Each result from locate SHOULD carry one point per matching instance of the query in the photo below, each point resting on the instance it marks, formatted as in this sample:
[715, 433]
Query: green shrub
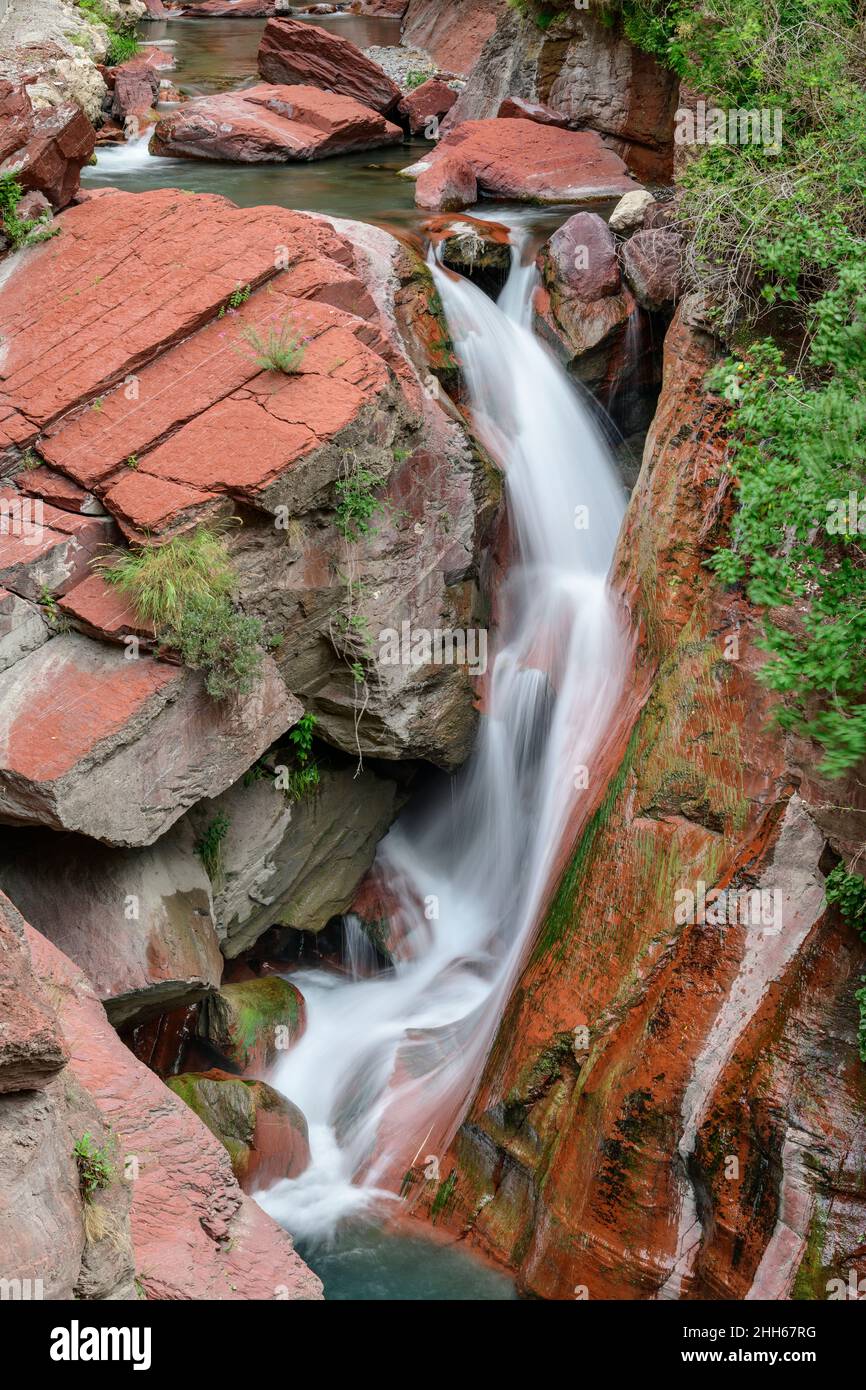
[213, 637]
[777, 243]
[357, 504]
[21, 231]
[121, 47]
[95, 1168]
[304, 778]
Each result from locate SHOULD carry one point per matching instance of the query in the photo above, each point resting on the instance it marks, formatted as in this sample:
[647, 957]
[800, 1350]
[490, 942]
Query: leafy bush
[777, 243]
[301, 780]
[213, 637]
[21, 231]
[95, 1168]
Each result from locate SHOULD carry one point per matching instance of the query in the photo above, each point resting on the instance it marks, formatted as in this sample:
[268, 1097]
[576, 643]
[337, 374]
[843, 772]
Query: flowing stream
[387, 1065]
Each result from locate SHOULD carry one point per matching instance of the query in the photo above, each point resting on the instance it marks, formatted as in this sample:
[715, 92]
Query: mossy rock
[252, 1023]
[264, 1134]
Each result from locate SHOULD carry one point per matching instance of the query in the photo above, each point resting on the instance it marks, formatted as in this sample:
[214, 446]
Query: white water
[387, 1066]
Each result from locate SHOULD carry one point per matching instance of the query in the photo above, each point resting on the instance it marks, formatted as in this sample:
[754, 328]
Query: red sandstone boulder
[523, 160]
[515, 108]
[432, 100]
[652, 264]
[119, 749]
[136, 90]
[46, 150]
[447, 187]
[196, 1235]
[137, 922]
[272, 124]
[16, 118]
[230, 9]
[31, 1045]
[583, 256]
[299, 54]
[265, 1134]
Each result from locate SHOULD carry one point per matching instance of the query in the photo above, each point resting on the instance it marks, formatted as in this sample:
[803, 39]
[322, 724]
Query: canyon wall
[674, 1107]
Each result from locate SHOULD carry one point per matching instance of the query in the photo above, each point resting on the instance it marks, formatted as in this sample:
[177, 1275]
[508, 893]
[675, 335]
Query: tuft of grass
[184, 589]
[278, 350]
[209, 848]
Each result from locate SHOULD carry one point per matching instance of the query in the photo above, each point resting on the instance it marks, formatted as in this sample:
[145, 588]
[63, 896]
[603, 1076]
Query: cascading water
[386, 1067]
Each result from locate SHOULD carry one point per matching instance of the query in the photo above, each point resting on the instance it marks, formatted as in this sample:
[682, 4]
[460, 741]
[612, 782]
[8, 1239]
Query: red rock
[196, 1235]
[454, 33]
[265, 1134]
[652, 264]
[44, 549]
[515, 108]
[31, 1045]
[80, 895]
[583, 256]
[521, 159]
[432, 99]
[135, 91]
[55, 148]
[272, 123]
[53, 487]
[16, 117]
[299, 54]
[230, 9]
[103, 611]
[447, 187]
[118, 749]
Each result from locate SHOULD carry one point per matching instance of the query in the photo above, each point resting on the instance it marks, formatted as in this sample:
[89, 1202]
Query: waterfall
[387, 1066]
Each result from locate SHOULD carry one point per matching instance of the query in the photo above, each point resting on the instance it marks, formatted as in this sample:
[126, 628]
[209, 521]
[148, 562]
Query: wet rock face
[303, 54]
[523, 160]
[137, 922]
[251, 1023]
[584, 71]
[272, 124]
[454, 33]
[297, 864]
[195, 1234]
[664, 1065]
[46, 149]
[44, 1240]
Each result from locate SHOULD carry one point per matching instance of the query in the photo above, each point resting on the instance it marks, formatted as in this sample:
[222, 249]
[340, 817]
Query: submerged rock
[303, 54]
[269, 124]
[265, 1135]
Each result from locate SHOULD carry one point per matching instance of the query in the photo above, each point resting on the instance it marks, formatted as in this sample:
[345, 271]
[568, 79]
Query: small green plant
[132, 461]
[415, 78]
[209, 848]
[278, 350]
[357, 504]
[444, 1195]
[20, 231]
[235, 300]
[184, 590]
[95, 1168]
[121, 47]
[304, 778]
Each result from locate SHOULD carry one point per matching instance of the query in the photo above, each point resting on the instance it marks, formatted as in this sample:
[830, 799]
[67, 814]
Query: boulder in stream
[272, 124]
[300, 54]
[265, 1135]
